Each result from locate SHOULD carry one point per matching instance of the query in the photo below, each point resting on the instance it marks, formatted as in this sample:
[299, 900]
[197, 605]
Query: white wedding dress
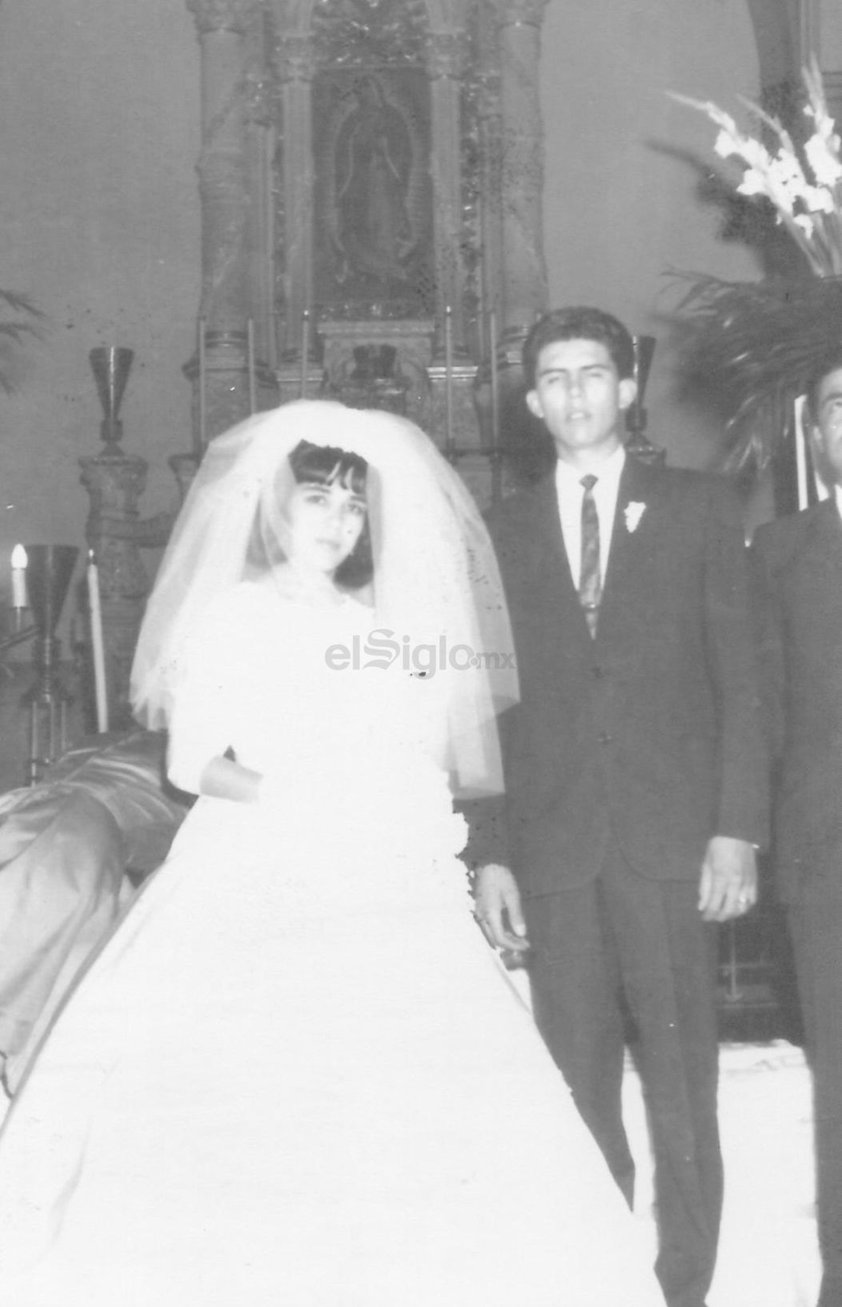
[297, 1076]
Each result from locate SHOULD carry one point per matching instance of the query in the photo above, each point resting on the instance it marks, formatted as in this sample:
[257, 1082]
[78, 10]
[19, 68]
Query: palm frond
[26, 324]
[20, 304]
[750, 346]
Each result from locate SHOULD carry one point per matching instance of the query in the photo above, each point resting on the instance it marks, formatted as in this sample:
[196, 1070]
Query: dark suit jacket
[652, 730]
[798, 575]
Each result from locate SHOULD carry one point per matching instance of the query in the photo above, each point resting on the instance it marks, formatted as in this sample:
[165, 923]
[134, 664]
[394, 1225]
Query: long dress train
[297, 1074]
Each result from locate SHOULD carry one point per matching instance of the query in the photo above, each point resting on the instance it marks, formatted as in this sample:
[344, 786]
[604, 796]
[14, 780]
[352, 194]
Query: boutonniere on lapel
[633, 512]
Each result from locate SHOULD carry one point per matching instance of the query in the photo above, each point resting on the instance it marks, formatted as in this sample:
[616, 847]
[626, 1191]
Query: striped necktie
[590, 581]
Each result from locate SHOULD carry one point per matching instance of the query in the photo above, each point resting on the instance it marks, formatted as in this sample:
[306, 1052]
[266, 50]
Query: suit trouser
[816, 930]
[624, 937]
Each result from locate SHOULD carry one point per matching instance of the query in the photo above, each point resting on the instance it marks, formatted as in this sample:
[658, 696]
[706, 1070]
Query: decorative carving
[295, 59]
[224, 199]
[406, 178]
[374, 380]
[446, 54]
[480, 151]
[412, 342]
[223, 15]
[258, 95]
[522, 167]
[517, 13]
[370, 32]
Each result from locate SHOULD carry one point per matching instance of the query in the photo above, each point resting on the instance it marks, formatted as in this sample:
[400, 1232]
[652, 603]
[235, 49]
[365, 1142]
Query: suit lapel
[552, 555]
[549, 566]
[820, 553]
[630, 539]
[827, 528]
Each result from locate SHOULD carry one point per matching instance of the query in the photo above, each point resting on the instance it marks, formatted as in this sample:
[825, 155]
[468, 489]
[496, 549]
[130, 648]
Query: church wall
[99, 226]
[620, 209]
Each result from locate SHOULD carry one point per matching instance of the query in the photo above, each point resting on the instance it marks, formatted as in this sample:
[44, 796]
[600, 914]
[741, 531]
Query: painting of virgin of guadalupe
[374, 218]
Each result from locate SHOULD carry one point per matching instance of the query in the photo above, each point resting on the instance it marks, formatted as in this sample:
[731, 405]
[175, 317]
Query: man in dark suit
[798, 570]
[634, 772]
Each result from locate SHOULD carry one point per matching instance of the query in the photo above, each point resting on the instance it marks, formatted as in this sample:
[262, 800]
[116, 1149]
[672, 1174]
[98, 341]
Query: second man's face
[826, 429]
[580, 398]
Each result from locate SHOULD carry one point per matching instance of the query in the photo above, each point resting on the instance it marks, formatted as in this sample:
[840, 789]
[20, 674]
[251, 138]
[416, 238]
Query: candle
[448, 378]
[202, 396]
[495, 381]
[97, 648]
[20, 599]
[305, 348]
[803, 497]
[252, 378]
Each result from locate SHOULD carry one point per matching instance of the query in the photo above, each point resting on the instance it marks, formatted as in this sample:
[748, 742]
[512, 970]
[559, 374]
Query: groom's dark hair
[580, 323]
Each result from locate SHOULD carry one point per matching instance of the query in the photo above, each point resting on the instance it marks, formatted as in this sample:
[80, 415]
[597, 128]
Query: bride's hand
[223, 778]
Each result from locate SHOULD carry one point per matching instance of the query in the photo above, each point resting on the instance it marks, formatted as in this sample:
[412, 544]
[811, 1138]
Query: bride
[296, 1074]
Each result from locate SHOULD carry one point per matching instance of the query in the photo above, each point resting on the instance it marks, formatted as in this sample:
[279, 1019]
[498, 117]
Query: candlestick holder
[48, 574]
[111, 365]
[638, 443]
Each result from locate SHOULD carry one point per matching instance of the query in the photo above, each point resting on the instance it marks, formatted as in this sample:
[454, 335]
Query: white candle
[305, 349]
[495, 380]
[252, 377]
[97, 647]
[448, 378]
[20, 599]
[203, 422]
[801, 454]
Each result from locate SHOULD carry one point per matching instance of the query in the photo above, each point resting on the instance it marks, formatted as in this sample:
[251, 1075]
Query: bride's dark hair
[324, 465]
[327, 465]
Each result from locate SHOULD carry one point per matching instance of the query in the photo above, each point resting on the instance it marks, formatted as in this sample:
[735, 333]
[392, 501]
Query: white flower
[633, 513]
[823, 157]
[803, 184]
[818, 199]
[753, 183]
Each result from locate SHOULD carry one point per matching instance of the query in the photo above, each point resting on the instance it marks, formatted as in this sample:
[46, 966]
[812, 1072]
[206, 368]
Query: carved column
[115, 482]
[223, 185]
[259, 135]
[445, 63]
[491, 136]
[524, 288]
[296, 67]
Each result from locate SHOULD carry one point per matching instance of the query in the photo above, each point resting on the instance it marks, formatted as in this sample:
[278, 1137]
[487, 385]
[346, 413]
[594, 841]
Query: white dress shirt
[568, 481]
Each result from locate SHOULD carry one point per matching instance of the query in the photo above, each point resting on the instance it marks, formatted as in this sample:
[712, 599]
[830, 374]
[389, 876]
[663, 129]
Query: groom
[634, 771]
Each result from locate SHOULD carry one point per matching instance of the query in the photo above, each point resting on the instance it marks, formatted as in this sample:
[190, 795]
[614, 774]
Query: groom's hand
[498, 908]
[728, 885]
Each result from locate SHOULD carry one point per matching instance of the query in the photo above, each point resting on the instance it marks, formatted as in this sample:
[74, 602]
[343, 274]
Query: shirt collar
[608, 471]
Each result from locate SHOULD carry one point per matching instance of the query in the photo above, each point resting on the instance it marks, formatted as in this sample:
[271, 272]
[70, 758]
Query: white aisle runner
[768, 1254]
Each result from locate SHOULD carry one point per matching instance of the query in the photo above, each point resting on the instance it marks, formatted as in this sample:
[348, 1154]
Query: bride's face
[323, 525]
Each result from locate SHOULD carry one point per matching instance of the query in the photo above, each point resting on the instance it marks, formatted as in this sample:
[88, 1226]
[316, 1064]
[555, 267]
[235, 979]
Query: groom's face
[580, 398]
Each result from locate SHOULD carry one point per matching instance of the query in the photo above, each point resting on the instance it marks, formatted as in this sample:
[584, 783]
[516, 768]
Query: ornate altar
[370, 175]
[370, 180]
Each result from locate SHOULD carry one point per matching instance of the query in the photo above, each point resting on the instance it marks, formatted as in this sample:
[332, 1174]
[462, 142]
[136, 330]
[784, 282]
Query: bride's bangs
[327, 465]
